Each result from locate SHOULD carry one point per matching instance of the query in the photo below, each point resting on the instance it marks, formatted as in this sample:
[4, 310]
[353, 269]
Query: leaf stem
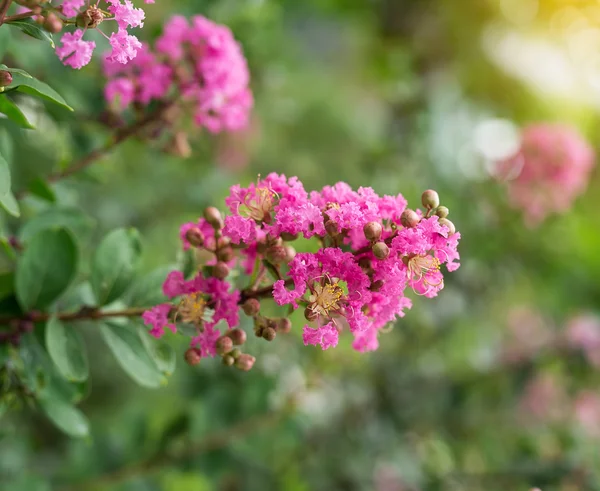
[3, 9]
[12, 18]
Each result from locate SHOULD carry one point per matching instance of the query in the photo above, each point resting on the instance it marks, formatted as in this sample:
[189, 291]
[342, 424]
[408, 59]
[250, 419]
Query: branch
[24, 15]
[119, 137]
[3, 9]
[213, 441]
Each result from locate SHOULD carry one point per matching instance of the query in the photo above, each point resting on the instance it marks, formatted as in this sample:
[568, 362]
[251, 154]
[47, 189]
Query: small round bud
[228, 360]
[373, 230]
[53, 23]
[6, 78]
[442, 211]
[90, 18]
[332, 228]
[192, 356]
[245, 362]
[376, 286]
[289, 237]
[409, 218]
[449, 224]
[290, 253]
[237, 335]
[235, 353]
[430, 199]
[251, 307]
[225, 254]
[258, 331]
[310, 315]
[380, 250]
[195, 237]
[213, 216]
[284, 325]
[269, 334]
[220, 270]
[276, 254]
[224, 345]
[364, 263]
[26, 326]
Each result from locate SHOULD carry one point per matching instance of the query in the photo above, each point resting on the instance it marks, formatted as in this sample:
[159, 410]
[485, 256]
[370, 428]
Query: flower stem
[3, 9]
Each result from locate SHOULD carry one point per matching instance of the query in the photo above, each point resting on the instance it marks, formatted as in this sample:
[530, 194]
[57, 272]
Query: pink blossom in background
[583, 332]
[387, 478]
[544, 399]
[586, 410]
[556, 163]
[357, 281]
[73, 51]
[198, 60]
[527, 333]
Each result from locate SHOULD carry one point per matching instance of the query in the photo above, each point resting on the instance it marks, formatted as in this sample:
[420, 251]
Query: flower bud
[258, 331]
[225, 254]
[372, 231]
[289, 237]
[376, 286]
[213, 216]
[442, 211]
[193, 356]
[245, 362]
[224, 345]
[409, 218]
[53, 23]
[6, 78]
[332, 228]
[269, 334]
[276, 254]
[26, 326]
[284, 325]
[228, 360]
[290, 253]
[237, 335]
[430, 199]
[195, 237]
[220, 270]
[251, 307]
[235, 353]
[310, 315]
[380, 250]
[449, 224]
[90, 18]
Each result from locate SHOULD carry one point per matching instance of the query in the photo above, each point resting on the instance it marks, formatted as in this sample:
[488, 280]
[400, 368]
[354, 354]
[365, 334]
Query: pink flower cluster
[198, 60]
[371, 250]
[75, 52]
[555, 164]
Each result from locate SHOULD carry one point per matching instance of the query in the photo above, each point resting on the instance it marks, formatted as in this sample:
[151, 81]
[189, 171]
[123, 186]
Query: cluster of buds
[197, 69]
[371, 249]
[74, 51]
[6, 79]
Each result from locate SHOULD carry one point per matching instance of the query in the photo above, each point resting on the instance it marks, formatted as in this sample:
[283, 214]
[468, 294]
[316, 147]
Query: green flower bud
[380, 250]
[220, 270]
[192, 356]
[449, 224]
[224, 345]
[251, 307]
[237, 335]
[269, 334]
[442, 211]
[430, 199]
[213, 216]
[284, 325]
[373, 231]
[245, 362]
[409, 218]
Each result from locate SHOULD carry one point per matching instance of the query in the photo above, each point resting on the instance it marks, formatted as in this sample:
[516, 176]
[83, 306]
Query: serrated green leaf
[24, 82]
[12, 112]
[67, 350]
[114, 264]
[33, 29]
[131, 354]
[160, 352]
[72, 219]
[46, 268]
[65, 416]
[40, 188]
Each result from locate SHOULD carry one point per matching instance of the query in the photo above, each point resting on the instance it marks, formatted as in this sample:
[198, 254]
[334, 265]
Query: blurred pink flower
[586, 408]
[556, 164]
[528, 333]
[544, 399]
[583, 332]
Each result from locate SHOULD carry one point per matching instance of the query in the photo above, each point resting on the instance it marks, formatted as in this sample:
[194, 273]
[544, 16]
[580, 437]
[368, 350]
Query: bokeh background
[476, 389]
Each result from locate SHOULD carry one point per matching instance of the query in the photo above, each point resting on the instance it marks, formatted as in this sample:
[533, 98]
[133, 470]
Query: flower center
[325, 298]
[419, 266]
[191, 308]
[259, 205]
[90, 18]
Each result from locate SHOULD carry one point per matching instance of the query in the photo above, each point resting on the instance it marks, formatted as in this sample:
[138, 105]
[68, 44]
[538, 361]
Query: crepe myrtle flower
[373, 254]
[75, 51]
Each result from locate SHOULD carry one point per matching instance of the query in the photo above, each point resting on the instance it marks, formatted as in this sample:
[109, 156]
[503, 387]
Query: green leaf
[25, 83]
[12, 112]
[4, 41]
[147, 290]
[7, 200]
[161, 353]
[46, 268]
[33, 29]
[42, 189]
[65, 416]
[114, 264]
[67, 350]
[7, 249]
[72, 219]
[7, 281]
[131, 354]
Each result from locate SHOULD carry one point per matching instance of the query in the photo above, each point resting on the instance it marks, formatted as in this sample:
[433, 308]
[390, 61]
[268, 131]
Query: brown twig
[3, 9]
[120, 136]
[24, 15]
[213, 441]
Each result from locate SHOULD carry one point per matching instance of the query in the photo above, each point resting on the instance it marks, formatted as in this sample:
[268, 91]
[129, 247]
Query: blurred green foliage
[381, 93]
